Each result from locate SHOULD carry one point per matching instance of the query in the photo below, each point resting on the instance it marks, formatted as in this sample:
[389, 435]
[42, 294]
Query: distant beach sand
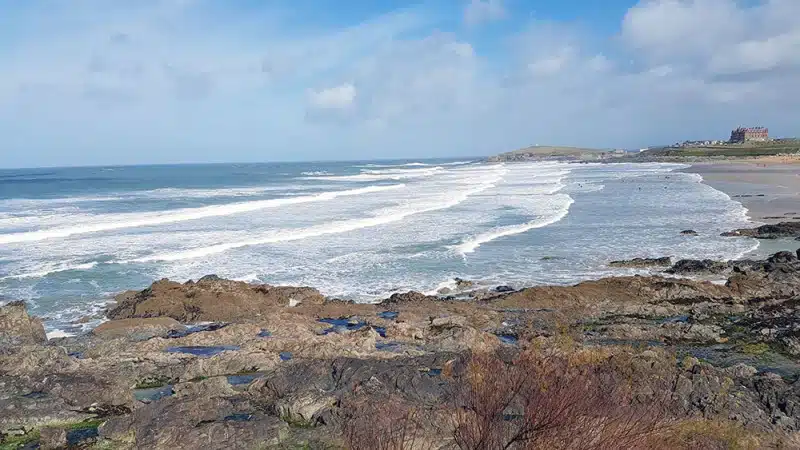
[769, 187]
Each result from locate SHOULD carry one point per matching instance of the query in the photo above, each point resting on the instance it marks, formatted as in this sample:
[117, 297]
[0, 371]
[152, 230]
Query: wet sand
[769, 188]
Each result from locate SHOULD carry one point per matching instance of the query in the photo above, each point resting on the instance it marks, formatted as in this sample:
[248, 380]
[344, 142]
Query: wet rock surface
[638, 263]
[139, 329]
[775, 231]
[269, 372]
[17, 328]
[210, 298]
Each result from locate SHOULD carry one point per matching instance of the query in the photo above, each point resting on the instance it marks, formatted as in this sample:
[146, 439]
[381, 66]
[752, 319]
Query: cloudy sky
[87, 82]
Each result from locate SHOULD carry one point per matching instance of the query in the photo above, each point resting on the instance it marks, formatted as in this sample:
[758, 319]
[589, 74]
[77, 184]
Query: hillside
[538, 153]
[748, 150]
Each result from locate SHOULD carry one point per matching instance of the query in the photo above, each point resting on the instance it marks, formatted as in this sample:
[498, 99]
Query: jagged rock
[741, 371]
[138, 329]
[462, 284]
[25, 406]
[407, 297]
[197, 422]
[782, 258]
[209, 299]
[17, 328]
[52, 438]
[416, 355]
[305, 408]
[775, 231]
[618, 290]
[36, 359]
[671, 332]
[638, 263]
[217, 386]
[696, 267]
[769, 281]
[689, 233]
[449, 322]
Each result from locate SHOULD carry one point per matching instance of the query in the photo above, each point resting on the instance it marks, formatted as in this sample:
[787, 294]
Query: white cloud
[480, 11]
[157, 83]
[339, 97]
[715, 36]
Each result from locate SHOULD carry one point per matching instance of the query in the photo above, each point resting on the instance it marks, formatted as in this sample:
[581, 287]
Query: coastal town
[743, 142]
[740, 135]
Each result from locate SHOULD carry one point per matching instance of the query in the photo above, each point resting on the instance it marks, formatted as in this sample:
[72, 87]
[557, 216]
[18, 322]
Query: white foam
[56, 269]
[413, 164]
[382, 175]
[472, 244]
[585, 187]
[155, 194]
[315, 173]
[56, 334]
[389, 215]
[447, 284]
[250, 278]
[122, 221]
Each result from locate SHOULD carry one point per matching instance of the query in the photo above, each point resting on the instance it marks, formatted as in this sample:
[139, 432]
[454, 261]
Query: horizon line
[91, 166]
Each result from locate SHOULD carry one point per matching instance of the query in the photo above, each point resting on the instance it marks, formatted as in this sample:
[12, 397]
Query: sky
[96, 82]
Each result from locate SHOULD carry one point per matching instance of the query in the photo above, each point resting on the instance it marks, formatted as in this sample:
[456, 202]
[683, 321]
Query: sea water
[71, 238]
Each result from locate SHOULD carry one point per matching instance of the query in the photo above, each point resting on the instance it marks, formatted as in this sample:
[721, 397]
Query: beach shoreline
[768, 187]
[213, 361]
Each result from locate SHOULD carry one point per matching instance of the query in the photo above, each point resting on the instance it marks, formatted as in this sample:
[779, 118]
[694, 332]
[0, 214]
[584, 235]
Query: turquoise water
[71, 238]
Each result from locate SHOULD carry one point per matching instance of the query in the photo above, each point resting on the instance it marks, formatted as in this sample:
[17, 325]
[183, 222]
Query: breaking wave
[122, 221]
[559, 210]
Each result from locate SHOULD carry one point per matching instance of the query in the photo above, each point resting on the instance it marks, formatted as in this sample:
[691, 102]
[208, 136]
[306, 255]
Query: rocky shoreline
[225, 364]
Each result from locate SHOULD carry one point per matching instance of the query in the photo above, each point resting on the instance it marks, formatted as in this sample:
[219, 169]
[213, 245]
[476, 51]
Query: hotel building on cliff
[756, 134]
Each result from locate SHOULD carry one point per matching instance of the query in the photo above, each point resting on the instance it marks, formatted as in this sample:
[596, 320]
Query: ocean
[71, 238]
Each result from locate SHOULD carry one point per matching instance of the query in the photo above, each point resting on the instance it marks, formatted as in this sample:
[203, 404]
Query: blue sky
[87, 82]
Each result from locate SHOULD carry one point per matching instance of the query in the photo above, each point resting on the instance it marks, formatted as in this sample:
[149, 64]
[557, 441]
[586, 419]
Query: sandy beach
[769, 187]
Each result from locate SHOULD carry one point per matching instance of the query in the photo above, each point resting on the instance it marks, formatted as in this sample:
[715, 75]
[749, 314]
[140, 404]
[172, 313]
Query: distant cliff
[546, 153]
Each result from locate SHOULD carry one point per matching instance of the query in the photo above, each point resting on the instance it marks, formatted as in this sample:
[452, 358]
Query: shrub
[384, 425]
[545, 402]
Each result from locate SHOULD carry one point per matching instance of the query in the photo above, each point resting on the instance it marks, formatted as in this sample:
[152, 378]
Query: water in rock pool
[71, 238]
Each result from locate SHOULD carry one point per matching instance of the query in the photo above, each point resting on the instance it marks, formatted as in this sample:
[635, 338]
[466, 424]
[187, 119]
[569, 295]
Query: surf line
[134, 221]
[344, 226]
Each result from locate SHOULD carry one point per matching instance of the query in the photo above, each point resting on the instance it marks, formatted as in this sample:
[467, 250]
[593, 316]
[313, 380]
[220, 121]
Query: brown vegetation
[539, 401]
[388, 425]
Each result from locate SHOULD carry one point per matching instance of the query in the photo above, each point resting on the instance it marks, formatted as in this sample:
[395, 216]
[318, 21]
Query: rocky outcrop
[407, 297]
[17, 328]
[295, 376]
[776, 231]
[210, 299]
[642, 263]
[138, 329]
[462, 284]
[689, 233]
[783, 258]
[698, 267]
[197, 422]
[619, 290]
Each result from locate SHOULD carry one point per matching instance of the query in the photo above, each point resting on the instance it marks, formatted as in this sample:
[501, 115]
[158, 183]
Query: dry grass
[549, 402]
[549, 399]
[388, 425]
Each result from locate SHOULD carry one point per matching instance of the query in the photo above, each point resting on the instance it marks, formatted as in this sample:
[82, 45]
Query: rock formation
[273, 373]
